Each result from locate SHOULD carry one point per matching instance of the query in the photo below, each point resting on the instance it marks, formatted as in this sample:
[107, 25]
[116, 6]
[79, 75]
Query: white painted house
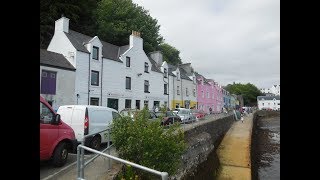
[108, 75]
[275, 90]
[268, 102]
[189, 86]
[57, 79]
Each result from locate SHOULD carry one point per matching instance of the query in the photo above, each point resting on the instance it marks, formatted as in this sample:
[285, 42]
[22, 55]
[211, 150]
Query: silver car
[185, 115]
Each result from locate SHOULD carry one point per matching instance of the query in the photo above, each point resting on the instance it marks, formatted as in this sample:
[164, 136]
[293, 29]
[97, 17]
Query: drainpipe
[101, 78]
[174, 92]
[181, 91]
[89, 81]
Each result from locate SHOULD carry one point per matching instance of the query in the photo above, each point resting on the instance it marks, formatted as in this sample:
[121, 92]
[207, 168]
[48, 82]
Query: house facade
[205, 97]
[57, 79]
[275, 90]
[108, 75]
[268, 102]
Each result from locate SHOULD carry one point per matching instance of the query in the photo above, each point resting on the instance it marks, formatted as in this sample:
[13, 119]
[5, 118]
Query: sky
[225, 40]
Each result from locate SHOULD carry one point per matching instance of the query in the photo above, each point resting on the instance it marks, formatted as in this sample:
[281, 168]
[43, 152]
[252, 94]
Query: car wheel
[96, 142]
[60, 155]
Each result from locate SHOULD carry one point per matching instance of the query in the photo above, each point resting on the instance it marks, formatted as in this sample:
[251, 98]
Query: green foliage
[78, 11]
[128, 173]
[117, 18]
[248, 91]
[170, 54]
[145, 142]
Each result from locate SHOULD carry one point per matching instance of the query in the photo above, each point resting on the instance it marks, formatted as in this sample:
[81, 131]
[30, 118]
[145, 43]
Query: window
[95, 78]
[128, 82]
[165, 73]
[262, 104]
[202, 92]
[48, 82]
[46, 115]
[146, 104]
[178, 90]
[178, 76]
[165, 88]
[177, 105]
[146, 67]
[127, 61]
[128, 103]
[208, 95]
[187, 92]
[146, 86]
[165, 103]
[95, 53]
[212, 95]
[94, 101]
[137, 104]
[194, 92]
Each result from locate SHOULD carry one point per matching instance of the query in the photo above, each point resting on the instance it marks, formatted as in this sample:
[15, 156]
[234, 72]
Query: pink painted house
[205, 97]
[218, 97]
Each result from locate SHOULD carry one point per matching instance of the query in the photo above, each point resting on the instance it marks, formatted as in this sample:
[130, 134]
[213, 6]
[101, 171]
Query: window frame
[128, 88]
[146, 84]
[93, 71]
[95, 48]
[146, 67]
[128, 59]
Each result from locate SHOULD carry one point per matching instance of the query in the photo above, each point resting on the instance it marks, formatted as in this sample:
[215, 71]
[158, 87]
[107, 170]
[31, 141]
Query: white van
[88, 119]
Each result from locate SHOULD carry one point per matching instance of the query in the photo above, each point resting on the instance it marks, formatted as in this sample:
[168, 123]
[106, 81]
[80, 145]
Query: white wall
[275, 105]
[65, 87]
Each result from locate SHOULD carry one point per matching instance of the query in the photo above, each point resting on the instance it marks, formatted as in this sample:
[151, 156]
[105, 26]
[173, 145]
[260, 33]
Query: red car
[198, 113]
[57, 139]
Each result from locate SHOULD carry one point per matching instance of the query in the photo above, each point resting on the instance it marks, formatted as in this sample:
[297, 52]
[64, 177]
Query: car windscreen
[182, 111]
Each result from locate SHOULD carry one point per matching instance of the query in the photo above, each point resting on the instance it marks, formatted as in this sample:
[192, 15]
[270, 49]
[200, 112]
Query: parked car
[57, 138]
[168, 117]
[185, 115]
[199, 114]
[88, 119]
[129, 112]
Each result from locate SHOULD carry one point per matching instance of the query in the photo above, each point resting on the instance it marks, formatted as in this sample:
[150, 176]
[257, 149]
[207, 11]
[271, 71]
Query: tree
[170, 54]
[145, 142]
[117, 18]
[248, 91]
[80, 12]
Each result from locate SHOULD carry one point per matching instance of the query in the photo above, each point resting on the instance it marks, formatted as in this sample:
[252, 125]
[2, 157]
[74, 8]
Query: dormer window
[165, 73]
[95, 53]
[146, 67]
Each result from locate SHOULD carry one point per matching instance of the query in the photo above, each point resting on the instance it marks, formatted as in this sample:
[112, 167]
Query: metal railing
[80, 154]
[81, 164]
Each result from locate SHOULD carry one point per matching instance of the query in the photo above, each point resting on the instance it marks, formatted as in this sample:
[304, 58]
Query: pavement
[234, 151]
[99, 168]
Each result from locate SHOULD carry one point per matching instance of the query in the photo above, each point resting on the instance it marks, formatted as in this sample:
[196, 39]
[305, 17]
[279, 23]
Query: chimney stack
[62, 25]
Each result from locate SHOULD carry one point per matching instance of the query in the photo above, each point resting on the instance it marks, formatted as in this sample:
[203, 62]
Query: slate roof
[109, 51]
[268, 97]
[154, 65]
[183, 74]
[52, 59]
[171, 69]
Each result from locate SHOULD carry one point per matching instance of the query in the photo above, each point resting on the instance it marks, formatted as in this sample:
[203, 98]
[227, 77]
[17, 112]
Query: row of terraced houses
[79, 69]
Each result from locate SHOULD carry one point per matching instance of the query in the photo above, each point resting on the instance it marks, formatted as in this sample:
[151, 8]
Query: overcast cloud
[225, 40]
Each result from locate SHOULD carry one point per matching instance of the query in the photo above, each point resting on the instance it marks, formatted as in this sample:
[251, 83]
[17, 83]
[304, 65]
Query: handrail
[164, 175]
